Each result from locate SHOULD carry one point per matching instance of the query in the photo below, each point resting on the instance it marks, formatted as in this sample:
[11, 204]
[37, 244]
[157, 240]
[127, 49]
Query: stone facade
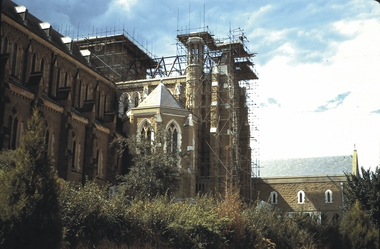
[91, 91]
[284, 193]
[312, 185]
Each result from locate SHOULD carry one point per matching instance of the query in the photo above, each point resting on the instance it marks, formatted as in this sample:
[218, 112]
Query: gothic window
[47, 145]
[86, 93]
[144, 130]
[74, 155]
[13, 129]
[42, 65]
[123, 104]
[5, 46]
[172, 146]
[14, 59]
[80, 94]
[136, 99]
[301, 197]
[328, 196]
[273, 197]
[65, 81]
[34, 60]
[101, 104]
[58, 78]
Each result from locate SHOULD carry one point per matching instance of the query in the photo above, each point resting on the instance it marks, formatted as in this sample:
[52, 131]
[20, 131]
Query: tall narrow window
[14, 59]
[86, 93]
[47, 145]
[42, 65]
[74, 155]
[301, 197]
[34, 60]
[273, 197]
[58, 79]
[123, 104]
[65, 83]
[173, 139]
[136, 99]
[5, 46]
[13, 128]
[80, 94]
[328, 196]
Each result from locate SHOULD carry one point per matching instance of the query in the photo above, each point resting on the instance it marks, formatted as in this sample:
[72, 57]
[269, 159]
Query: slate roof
[315, 166]
[160, 97]
[32, 23]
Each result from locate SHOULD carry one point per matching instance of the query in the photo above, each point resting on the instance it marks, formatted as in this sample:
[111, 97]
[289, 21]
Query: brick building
[312, 185]
[90, 91]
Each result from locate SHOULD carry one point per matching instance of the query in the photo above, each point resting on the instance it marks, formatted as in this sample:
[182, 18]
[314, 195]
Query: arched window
[301, 197]
[65, 81]
[58, 78]
[14, 59]
[74, 155]
[34, 60]
[328, 196]
[5, 45]
[123, 104]
[145, 130]
[13, 129]
[42, 65]
[273, 197]
[101, 104]
[80, 94]
[86, 93]
[136, 99]
[173, 142]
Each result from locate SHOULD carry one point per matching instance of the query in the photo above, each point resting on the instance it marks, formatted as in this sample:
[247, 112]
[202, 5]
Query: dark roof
[32, 23]
[160, 97]
[315, 166]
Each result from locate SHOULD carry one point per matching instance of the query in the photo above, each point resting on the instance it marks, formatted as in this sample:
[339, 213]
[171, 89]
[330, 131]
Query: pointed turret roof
[160, 97]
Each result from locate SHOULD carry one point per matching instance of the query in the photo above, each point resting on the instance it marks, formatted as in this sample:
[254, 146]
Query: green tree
[154, 171]
[29, 206]
[366, 189]
[357, 229]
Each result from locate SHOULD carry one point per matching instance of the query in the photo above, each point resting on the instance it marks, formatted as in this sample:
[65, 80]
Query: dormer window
[86, 54]
[22, 11]
[68, 42]
[46, 27]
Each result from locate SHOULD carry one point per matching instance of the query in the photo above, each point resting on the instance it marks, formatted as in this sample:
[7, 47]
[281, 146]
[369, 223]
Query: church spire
[355, 162]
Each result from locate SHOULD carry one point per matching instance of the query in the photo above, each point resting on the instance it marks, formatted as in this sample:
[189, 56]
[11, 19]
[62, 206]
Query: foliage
[29, 205]
[89, 217]
[154, 171]
[366, 189]
[357, 230]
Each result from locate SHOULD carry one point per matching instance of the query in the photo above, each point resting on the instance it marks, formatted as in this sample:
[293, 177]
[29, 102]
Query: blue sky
[318, 62]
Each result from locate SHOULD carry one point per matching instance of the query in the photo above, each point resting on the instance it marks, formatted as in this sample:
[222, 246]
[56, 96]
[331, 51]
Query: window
[58, 79]
[79, 104]
[13, 129]
[5, 46]
[273, 197]
[173, 142]
[14, 59]
[74, 155]
[123, 104]
[65, 82]
[34, 60]
[301, 197]
[136, 99]
[328, 196]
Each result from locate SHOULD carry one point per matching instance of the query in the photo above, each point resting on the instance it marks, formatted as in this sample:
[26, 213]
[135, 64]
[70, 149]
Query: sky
[318, 62]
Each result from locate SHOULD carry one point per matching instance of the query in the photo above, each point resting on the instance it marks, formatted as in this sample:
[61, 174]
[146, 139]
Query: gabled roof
[160, 97]
[315, 166]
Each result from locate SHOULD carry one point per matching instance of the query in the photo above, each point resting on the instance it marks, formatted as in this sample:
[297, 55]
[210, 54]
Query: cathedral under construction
[92, 90]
